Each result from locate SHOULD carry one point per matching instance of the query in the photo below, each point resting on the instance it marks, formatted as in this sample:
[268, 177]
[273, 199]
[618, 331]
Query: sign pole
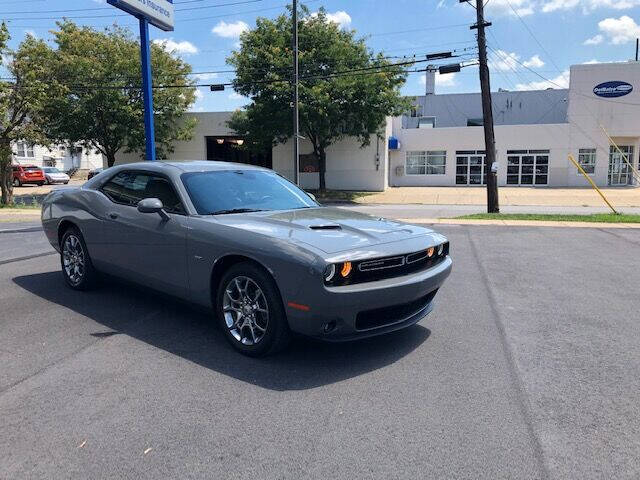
[147, 90]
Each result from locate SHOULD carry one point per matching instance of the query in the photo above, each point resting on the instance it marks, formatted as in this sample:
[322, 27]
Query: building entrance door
[619, 169]
[471, 167]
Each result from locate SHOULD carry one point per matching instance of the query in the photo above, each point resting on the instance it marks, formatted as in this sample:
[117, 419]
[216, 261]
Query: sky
[531, 43]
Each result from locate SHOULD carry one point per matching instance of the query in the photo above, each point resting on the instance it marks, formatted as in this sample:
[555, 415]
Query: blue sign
[160, 13]
[613, 89]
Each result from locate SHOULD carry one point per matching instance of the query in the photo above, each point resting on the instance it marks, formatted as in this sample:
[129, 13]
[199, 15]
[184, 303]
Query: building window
[475, 122]
[416, 111]
[587, 160]
[427, 122]
[426, 163]
[471, 167]
[527, 167]
[24, 150]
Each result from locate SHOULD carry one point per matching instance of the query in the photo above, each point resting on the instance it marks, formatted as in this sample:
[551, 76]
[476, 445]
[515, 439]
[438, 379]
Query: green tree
[333, 102]
[21, 101]
[101, 105]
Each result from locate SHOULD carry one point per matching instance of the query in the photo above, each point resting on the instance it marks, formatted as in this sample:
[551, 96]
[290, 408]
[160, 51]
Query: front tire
[77, 269]
[250, 312]
[17, 182]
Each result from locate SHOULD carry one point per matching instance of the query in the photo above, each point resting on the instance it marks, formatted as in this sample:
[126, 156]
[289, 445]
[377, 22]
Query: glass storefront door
[471, 167]
[619, 169]
[527, 167]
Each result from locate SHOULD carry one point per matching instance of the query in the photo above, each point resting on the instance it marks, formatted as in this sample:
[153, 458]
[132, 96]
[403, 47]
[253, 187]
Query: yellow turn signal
[346, 269]
[430, 252]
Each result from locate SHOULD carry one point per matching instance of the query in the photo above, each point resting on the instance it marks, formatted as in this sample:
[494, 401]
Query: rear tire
[77, 268]
[17, 182]
[250, 311]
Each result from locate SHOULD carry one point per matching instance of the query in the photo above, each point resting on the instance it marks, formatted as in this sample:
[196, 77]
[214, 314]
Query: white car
[53, 175]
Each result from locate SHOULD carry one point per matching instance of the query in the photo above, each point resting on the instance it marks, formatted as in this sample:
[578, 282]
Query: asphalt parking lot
[527, 368]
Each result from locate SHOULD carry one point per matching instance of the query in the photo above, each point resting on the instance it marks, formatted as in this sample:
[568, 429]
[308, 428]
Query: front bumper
[368, 309]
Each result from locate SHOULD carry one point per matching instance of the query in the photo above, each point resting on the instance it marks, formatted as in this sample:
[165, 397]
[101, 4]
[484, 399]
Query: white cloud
[620, 30]
[230, 30]
[30, 32]
[594, 40]
[553, 5]
[199, 94]
[591, 62]
[446, 80]
[235, 96]
[504, 60]
[340, 17]
[533, 62]
[184, 47]
[504, 7]
[203, 77]
[588, 5]
[561, 81]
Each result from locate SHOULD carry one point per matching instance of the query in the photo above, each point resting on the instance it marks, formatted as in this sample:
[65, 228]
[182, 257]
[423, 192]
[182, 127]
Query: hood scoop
[326, 226]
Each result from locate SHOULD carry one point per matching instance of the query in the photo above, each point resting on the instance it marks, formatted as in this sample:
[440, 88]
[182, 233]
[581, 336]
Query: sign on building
[159, 13]
[613, 89]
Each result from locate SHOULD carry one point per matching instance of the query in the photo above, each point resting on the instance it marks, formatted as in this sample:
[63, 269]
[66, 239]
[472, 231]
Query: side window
[161, 188]
[127, 188]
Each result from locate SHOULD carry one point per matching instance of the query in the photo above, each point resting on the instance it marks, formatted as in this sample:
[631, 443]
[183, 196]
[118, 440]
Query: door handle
[113, 216]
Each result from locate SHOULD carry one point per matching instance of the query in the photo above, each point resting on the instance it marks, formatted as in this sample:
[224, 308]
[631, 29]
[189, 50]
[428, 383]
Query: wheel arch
[225, 263]
[63, 226]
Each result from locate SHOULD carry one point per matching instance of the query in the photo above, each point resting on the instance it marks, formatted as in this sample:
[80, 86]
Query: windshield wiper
[236, 210]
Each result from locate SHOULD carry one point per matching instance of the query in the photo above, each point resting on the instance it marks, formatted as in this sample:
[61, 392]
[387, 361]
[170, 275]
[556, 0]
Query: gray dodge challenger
[243, 241]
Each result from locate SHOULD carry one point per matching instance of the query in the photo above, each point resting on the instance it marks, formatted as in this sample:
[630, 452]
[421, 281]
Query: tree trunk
[111, 159]
[322, 163]
[6, 174]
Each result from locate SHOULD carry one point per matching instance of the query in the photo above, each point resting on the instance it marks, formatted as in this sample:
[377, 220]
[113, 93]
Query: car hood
[331, 230]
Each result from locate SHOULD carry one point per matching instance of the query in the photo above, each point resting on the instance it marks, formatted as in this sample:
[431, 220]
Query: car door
[144, 247]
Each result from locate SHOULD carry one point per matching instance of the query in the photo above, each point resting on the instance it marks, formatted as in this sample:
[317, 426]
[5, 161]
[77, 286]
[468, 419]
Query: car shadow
[193, 335]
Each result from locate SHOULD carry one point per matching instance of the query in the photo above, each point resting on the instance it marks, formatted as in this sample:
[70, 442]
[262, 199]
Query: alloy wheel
[73, 259]
[245, 309]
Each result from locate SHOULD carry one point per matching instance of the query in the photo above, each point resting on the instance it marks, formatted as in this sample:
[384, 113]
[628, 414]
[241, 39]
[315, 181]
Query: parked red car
[23, 174]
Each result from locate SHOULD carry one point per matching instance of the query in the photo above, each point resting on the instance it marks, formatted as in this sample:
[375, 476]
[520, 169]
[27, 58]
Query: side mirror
[313, 197]
[152, 205]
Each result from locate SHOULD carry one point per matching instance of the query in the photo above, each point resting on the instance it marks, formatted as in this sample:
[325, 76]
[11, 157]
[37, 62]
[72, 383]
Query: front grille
[380, 317]
[396, 266]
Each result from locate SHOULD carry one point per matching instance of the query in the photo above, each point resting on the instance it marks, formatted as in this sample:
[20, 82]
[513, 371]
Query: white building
[441, 141]
[64, 158]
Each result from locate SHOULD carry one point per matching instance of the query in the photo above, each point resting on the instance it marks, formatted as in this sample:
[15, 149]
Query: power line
[93, 9]
[198, 18]
[373, 70]
[549, 57]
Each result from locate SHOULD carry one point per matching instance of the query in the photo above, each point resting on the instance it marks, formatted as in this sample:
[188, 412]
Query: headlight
[329, 272]
[440, 249]
[338, 273]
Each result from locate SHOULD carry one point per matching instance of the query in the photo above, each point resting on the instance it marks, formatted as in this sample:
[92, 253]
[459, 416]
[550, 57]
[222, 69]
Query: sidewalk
[19, 215]
[525, 196]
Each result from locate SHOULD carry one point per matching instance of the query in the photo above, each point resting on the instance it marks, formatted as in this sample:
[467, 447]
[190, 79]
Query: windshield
[243, 190]
[52, 170]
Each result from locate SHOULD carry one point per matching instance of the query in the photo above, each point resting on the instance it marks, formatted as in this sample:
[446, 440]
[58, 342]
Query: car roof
[190, 166]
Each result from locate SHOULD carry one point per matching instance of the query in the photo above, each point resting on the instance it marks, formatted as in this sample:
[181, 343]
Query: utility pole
[493, 205]
[637, 45]
[296, 108]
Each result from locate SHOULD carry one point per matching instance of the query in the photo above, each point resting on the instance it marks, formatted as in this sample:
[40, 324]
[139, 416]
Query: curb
[519, 223]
